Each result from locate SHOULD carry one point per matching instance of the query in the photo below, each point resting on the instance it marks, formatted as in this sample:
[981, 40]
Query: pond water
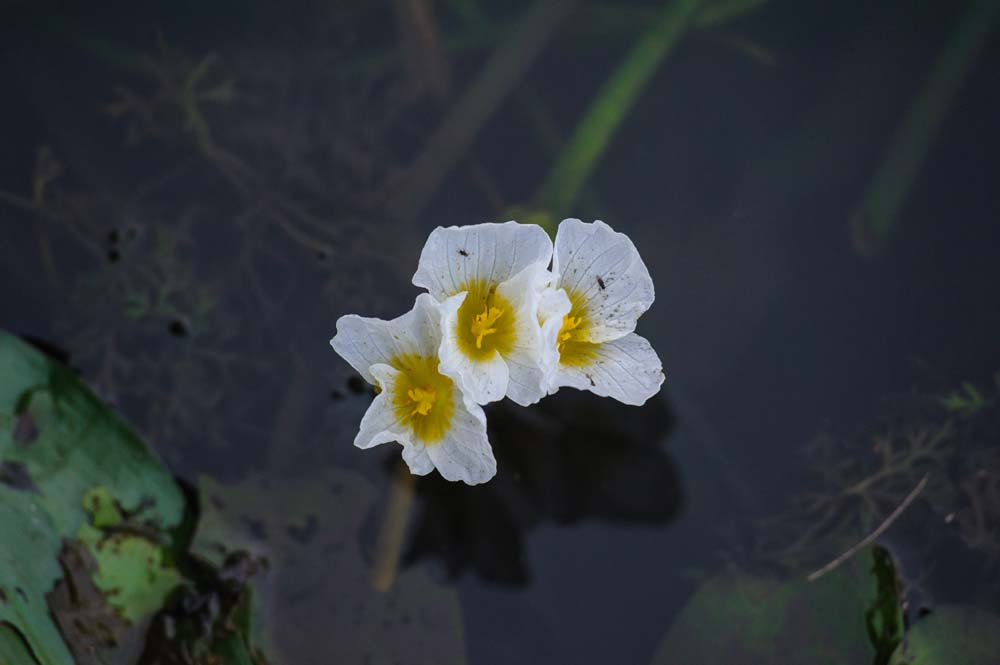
[192, 195]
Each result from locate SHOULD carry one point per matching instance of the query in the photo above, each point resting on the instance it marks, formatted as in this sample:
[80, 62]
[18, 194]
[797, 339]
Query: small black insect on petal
[600, 283]
[463, 252]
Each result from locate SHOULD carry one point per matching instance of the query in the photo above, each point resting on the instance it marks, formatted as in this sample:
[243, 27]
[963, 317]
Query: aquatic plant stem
[389, 546]
[455, 134]
[613, 103]
[874, 218]
[873, 536]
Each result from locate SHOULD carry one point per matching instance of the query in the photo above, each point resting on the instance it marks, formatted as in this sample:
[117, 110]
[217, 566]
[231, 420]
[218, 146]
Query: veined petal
[553, 307]
[463, 450]
[524, 359]
[380, 424]
[364, 341]
[465, 453]
[417, 460]
[626, 369]
[605, 278]
[481, 380]
[454, 257]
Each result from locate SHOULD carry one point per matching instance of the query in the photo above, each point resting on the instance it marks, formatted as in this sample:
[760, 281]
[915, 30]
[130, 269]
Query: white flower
[417, 406]
[489, 278]
[600, 288]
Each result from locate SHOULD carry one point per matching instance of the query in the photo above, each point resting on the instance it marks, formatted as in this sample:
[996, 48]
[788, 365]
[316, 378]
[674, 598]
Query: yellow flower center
[569, 324]
[486, 322]
[481, 324]
[423, 398]
[573, 343]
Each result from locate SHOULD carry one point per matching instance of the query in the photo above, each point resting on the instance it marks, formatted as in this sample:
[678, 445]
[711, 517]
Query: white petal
[524, 361]
[364, 342]
[604, 269]
[625, 369]
[481, 382]
[494, 252]
[464, 453]
[418, 460]
[379, 424]
[553, 305]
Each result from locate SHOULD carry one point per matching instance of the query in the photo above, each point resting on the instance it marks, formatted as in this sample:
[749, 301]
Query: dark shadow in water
[573, 457]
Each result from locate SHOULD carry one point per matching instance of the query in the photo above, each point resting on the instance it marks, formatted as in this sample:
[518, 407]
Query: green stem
[594, 132]
[450, 141]
[916, 133]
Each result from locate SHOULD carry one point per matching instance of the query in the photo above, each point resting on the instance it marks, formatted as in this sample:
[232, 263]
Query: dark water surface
[199, 236]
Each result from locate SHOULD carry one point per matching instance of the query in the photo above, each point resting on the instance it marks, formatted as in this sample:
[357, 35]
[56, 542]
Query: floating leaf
[14, 648]
[102, 507]
[952, 635]
[79, 444]
[130, 571]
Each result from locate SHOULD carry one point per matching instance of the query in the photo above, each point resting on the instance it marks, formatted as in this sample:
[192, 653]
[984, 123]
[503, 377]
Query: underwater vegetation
[941, 450]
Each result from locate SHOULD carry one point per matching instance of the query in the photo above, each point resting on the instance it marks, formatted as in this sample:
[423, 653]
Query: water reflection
[570, 458]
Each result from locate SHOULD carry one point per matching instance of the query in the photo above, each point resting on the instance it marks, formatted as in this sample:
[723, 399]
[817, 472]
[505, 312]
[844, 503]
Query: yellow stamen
[566, 331]
[481, 324]
[424, 398]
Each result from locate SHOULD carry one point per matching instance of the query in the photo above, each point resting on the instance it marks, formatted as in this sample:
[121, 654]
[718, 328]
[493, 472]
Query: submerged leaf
[740, 619]
[318, 595]
[952, 635]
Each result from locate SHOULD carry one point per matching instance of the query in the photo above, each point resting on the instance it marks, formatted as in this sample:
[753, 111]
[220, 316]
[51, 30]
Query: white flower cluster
[496, 322]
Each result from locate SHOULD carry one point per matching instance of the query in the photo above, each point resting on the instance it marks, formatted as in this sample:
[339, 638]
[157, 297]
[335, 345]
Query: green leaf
[74, 443]
[102, 507]
[737, 619]
[130, 571]
[14, 650]
[951, 635]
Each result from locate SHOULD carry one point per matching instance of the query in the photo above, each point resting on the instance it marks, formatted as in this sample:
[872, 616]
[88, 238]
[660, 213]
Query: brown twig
[910, 498]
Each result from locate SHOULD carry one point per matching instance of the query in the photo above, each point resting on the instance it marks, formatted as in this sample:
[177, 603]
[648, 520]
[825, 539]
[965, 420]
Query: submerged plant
[859, 483]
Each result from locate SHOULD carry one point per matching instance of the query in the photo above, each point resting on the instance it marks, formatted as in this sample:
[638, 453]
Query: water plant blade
[612, 105]
[454, 135]
[918, 129]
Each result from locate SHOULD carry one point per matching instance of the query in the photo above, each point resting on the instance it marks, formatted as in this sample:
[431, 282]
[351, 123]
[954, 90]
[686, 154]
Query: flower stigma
[566, 331]
[481, 324]
[486, 322]
[573, 343]
[424, 398]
